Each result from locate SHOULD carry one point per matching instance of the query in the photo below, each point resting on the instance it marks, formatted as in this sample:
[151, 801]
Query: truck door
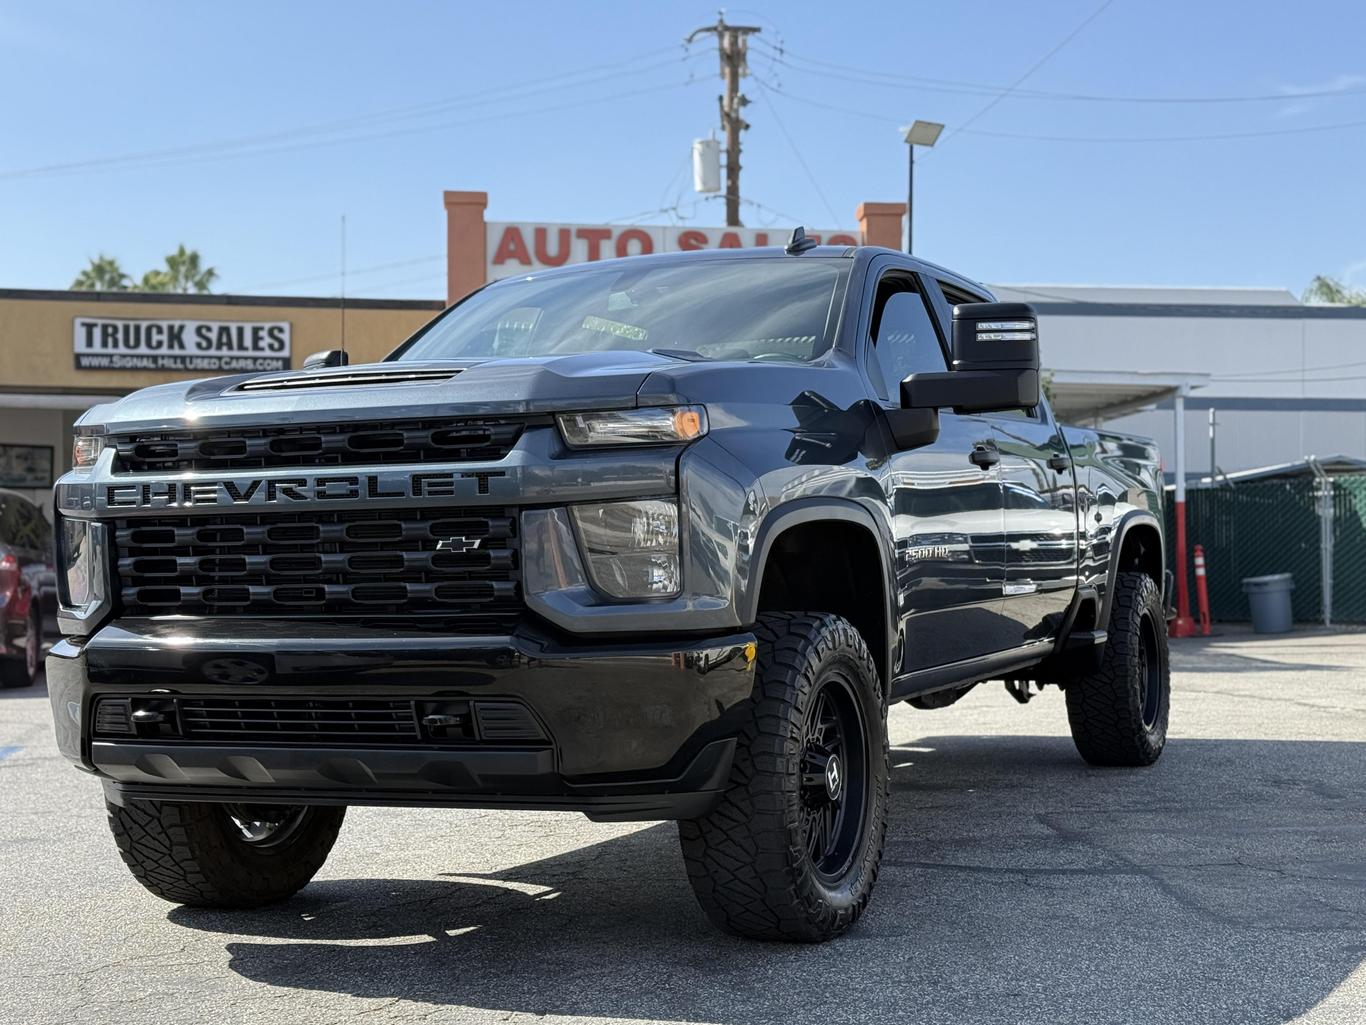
[946, 498]
[1040, 522]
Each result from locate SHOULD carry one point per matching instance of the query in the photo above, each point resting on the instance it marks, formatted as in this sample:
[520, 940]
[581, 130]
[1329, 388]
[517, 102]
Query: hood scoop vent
[349, 379]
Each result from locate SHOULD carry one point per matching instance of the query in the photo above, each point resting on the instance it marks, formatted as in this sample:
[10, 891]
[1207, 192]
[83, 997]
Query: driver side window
[904, 340]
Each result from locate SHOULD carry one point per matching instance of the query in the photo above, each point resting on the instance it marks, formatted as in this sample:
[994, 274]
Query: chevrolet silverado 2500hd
[655, 538]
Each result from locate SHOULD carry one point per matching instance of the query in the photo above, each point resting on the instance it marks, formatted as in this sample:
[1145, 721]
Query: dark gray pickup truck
[657, 538]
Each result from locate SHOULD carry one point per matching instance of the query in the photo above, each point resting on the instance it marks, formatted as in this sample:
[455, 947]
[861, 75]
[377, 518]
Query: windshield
[779, 309]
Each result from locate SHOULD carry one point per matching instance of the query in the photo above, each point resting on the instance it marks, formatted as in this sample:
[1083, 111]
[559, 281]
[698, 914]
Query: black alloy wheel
[1149, 671]
[834, 779]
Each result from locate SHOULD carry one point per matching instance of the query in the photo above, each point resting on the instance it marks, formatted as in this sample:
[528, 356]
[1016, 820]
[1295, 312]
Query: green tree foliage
[184, 273]
[1330, 290]
[103, 275]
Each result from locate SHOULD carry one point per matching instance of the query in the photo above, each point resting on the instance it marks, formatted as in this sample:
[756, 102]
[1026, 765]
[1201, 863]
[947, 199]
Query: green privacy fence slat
[1256, 529]
[1349, 549]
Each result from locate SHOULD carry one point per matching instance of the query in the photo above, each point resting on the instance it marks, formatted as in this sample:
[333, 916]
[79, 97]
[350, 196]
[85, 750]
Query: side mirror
[326, 358]
[995, 362]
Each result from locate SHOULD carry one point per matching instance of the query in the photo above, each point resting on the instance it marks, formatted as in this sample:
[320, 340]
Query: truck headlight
[659, 425]
[631, 548]
[82, 578]
[86, 449]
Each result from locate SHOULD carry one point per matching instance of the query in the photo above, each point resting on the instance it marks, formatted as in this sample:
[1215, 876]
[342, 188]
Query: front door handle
[1058, 461]
[984, 456]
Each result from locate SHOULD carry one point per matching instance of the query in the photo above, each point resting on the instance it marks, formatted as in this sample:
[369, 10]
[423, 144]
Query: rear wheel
[1119, 713]
[23, 672]
[223, 855]
[792, 850]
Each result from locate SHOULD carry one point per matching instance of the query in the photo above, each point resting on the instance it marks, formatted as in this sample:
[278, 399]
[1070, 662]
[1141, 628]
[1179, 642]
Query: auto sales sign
[199, 346]
[516, 247]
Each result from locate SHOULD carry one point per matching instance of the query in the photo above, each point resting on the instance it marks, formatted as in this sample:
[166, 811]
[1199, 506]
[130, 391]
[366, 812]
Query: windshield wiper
[688, 355]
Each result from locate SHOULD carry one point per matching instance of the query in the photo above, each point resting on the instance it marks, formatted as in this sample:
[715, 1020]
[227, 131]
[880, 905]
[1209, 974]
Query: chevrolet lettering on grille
[283, 490]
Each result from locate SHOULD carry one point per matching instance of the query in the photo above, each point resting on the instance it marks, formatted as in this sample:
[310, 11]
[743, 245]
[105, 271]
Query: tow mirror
[326, 358]
[995, 362]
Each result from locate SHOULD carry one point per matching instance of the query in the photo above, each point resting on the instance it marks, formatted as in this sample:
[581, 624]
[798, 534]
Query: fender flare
[815, 510]
[1131, 519]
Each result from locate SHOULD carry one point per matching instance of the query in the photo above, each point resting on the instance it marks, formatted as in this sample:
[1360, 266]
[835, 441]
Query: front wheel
[1118, 714]
[792, 849]
[223, 855]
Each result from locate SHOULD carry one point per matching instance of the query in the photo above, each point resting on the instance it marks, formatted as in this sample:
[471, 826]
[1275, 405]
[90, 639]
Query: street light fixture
[922, 133]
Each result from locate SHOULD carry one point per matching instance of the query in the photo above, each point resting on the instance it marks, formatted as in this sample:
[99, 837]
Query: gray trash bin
[1269, 598]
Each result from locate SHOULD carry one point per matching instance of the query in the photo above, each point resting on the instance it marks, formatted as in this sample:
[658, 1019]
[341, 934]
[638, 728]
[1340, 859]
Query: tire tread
[743, 859]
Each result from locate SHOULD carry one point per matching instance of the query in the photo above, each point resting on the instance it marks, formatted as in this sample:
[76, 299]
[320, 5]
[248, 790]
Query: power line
[796, 152]
[1204, 137]
[794, 221]
[352, 272]
[1101, 139]
[226, 147]
[394, 133]
[991, 104]
[868, 76]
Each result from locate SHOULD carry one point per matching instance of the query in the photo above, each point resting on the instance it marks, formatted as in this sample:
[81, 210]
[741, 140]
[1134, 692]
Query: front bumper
[630, 731]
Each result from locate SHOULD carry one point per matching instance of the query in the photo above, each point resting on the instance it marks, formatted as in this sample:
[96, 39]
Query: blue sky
[280, 118]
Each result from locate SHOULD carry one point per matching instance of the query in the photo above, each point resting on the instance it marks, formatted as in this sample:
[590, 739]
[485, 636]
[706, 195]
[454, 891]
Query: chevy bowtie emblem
[458, 543]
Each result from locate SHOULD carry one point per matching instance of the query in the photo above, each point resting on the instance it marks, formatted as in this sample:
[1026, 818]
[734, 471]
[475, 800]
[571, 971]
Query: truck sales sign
[518, 247]
[200, 346]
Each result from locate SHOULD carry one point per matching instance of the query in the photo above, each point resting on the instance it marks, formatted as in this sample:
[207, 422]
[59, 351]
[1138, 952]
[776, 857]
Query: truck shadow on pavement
[1228, 883]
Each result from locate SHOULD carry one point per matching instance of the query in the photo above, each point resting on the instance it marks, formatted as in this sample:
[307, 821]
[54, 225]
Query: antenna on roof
[799, 243]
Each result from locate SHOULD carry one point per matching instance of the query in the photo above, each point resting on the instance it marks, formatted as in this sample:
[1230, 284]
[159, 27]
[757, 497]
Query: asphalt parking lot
[1227, 884]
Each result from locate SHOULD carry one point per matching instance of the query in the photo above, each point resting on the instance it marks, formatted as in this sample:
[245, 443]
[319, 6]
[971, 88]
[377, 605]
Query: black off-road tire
[1119, 714]
[23, 671]
[748, 859]
[194, 853]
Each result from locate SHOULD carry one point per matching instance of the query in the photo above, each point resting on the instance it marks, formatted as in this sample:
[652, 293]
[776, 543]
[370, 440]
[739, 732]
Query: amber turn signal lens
[687, 424]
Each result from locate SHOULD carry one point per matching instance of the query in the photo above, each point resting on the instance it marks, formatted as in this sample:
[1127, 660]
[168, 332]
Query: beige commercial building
[62, 352]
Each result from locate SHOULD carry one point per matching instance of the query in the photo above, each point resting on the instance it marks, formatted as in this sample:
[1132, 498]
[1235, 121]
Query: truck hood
[438, 388]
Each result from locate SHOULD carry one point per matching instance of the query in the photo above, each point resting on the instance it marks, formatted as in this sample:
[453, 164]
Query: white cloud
[1336, 84]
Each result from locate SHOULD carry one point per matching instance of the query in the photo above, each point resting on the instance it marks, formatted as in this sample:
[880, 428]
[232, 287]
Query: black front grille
[461, 564]
[328, 722]
[319, 721]
[359, 444]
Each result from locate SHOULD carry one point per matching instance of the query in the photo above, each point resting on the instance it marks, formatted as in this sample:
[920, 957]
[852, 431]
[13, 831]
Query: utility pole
[732, 44]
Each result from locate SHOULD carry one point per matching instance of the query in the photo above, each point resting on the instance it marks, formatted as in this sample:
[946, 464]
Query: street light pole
[922, 133]
[910, 197]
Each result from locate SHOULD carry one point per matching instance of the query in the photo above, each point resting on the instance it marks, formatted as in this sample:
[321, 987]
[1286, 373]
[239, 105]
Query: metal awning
[1092, 396]
[54, 400]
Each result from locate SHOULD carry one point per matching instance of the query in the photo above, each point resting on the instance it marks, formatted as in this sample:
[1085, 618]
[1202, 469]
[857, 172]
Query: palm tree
[157, 281]
[183, 273]
[1330, 290]
[103, 275]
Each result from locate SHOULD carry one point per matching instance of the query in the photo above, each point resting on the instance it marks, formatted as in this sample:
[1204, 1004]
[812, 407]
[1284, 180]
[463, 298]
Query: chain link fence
[1306, 527]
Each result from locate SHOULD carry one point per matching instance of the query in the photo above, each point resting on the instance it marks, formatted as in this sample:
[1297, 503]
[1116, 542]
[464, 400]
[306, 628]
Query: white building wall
[1284, 385]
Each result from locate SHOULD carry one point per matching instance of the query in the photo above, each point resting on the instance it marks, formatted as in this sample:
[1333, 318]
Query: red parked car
[28, 598]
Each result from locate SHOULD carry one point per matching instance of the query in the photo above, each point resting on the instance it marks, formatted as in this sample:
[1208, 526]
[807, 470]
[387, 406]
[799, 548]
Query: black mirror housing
[326, 358]
[995, 362]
